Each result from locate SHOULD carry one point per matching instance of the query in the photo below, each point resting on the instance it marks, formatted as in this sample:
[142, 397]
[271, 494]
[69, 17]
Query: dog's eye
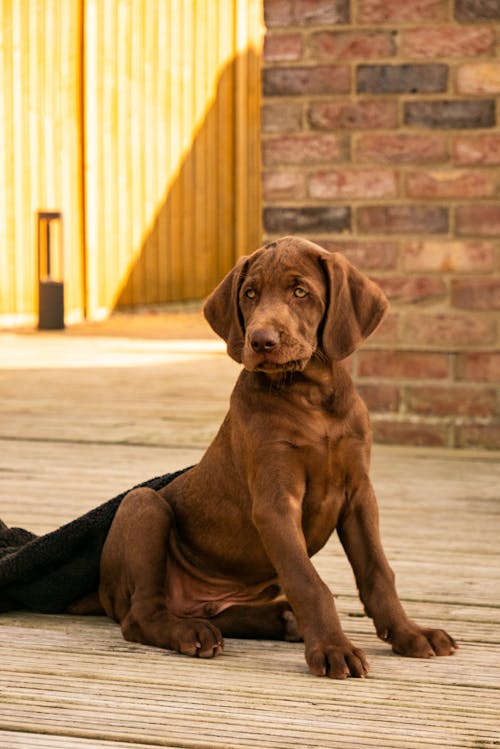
[299, 292]
[250, 293]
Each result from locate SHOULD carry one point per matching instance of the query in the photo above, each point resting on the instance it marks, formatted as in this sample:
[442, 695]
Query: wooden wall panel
[40, 138]
[140, 122]
[172, 149]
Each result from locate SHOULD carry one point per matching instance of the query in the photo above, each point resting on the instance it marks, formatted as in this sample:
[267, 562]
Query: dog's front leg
[133, 577]
[277, 514]
[358, 530]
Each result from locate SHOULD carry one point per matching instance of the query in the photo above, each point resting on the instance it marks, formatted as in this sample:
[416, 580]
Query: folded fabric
[47, 573]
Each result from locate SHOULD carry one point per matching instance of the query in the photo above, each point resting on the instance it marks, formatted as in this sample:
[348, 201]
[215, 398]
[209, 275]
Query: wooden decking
[83, 418]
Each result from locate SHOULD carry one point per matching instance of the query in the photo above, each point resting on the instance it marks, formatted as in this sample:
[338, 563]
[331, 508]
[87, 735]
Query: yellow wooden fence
[139, 121]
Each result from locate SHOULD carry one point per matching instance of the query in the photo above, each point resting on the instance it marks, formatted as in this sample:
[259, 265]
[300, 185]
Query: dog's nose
[263, 341]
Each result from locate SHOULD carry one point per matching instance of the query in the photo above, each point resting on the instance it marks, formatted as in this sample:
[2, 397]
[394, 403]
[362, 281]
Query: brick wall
[381, 139]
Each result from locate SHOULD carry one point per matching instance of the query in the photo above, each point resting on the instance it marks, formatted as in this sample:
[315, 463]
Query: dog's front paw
[195, 637]
[337, 661]
[422, 642]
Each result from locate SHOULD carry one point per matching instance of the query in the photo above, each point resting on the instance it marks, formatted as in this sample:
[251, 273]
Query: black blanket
[47, 573]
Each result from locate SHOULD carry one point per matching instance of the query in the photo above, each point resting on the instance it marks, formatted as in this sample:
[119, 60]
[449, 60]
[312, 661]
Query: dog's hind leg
[88, 605]
[133, 573]
[268, 621]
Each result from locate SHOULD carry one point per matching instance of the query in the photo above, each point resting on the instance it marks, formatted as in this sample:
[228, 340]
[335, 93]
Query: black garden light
[50, 270]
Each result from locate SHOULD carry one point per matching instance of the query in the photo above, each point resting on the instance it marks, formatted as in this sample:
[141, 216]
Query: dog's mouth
[283, 359]
[272, 367]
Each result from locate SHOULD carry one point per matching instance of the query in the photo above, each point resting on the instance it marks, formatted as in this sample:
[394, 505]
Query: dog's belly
[192, 592]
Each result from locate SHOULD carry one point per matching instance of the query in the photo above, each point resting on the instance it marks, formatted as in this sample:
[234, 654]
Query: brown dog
[224, 549]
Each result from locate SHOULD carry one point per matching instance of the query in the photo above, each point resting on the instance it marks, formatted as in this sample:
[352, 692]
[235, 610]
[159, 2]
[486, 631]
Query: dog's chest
[325, 469]
[323, 447]
[318, 433]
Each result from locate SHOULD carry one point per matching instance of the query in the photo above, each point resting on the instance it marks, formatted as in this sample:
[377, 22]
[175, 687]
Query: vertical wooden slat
[210, 237]
[163, 138]
[109, 261]
[136, 154]
[151, 152]
[39, 142]
[247, 178]
[253, 174]
[225, 113]
[92, 162]
[8, 302]
[24, 281]
[122, 178]
[241, 134]
[173, 191]
[187, 166]
[17, 165]
[201, 88]
[36, 63]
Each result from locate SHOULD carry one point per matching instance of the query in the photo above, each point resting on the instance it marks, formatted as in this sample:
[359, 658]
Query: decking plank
[76, 434]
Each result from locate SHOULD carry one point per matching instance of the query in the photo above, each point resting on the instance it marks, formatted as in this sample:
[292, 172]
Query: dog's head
[292, 299]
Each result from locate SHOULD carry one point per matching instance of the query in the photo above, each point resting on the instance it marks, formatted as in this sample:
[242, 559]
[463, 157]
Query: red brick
[402, 79]
[453, 256]
[369, 255]
[402, 219]
[348, 183]
[480, 219]
[349, 45]
[451, 401]
[350, 115]
[412, 289]
[471, 183]
[398, 365]
[482, 366]
[402, 11]
[447, 41]
[387, 332]
[278, 12]
[479, 435]
[381, 398]
[304, 149]
[410, 433]
[321, 11]
[448, 330]
[306, 220]
[401, 148]
[476, 293]
[282, 47]
[282, 117]
[479, 78]
[476, 149]
[283, 184]
[477, 10]
[306, 81]
[447, 114]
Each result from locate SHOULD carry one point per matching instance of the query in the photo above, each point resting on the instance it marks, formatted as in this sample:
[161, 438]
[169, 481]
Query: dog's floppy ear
[356, 306]
[222, 310]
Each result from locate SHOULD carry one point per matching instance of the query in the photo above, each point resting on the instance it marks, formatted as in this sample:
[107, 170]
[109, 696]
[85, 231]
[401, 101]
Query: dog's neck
[331, 383]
